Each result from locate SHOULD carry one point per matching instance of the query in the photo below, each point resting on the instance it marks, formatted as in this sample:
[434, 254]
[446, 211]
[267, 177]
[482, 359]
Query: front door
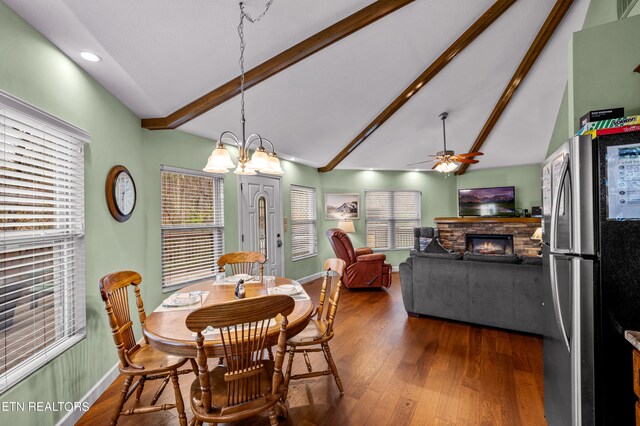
[261, 220]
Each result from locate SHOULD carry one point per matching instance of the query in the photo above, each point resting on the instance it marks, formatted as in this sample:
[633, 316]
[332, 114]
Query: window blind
[391, 217]
[192, 225]
[42, 279]
[304, 237]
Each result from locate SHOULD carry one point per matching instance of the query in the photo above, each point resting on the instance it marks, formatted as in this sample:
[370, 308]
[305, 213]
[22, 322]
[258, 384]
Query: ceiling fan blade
[470, 154]
[465, 160]
[419, 162]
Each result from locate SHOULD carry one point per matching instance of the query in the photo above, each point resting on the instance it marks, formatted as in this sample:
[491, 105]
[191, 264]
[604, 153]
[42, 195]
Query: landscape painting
[341, 206]
[498, 201]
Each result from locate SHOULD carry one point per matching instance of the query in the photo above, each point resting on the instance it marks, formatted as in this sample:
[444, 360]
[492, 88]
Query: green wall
[438, 199]
[603, 59]
[38, 73]
[525, 179]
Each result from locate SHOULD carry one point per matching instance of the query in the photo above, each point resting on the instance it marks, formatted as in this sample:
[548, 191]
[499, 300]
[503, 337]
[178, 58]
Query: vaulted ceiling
[159, 55]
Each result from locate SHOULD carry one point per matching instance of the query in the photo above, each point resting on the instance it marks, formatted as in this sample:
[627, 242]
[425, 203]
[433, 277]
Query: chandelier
[261, 161]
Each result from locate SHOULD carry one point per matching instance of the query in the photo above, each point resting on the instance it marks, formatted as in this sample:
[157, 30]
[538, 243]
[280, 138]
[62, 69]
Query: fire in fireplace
[489, 243]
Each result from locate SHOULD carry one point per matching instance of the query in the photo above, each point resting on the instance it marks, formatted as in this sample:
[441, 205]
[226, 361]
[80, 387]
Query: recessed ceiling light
[293, 158]
[91, 57]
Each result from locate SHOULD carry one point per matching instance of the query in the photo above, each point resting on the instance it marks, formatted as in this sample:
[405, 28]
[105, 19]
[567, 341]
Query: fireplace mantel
[453, 231]
[475, 219]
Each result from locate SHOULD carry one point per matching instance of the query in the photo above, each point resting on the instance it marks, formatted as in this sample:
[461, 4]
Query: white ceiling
[159, 55]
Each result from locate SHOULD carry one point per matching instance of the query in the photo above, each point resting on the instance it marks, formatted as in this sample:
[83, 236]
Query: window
[304, 237]
[42, 279]
[391, 217]
[192, 226]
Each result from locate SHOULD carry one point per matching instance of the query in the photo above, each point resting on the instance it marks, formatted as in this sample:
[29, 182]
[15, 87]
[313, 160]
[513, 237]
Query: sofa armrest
[363, 250]
[375, 257]
[406, 285]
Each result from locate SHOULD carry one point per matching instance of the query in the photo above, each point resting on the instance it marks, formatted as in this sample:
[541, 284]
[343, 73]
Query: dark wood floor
[398, 370]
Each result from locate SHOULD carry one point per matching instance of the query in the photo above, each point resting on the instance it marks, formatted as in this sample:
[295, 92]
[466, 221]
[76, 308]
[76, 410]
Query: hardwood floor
[396, 370]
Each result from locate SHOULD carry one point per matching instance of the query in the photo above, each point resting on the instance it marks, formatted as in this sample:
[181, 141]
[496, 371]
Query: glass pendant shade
[244, 169]
[274, 167]
[220, 159]
[447, 167]
[260, 160]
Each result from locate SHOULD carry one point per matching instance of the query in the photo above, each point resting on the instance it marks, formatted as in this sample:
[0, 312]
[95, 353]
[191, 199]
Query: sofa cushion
[492, 258]
[434, 246]
[446, 255]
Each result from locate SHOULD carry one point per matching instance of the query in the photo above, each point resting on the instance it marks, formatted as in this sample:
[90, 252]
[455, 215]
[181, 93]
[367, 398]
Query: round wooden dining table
[167, 331]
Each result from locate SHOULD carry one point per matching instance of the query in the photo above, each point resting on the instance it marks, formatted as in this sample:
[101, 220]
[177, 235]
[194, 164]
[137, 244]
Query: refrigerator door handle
[555, 213]
[557, 309]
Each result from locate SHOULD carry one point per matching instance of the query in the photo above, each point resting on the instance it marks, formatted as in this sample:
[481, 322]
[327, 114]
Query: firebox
[489, 243]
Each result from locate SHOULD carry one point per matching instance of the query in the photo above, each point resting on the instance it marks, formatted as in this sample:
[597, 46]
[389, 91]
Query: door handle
[279, 241]
[553, 238]
[557, 309]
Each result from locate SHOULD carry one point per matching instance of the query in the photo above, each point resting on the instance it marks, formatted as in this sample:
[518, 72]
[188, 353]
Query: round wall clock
[120, 190]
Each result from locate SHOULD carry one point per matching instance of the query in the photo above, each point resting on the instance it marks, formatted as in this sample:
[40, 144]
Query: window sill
[309, 256]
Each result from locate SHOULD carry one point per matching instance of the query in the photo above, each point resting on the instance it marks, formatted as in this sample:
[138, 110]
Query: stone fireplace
[489, 243]
[453, 232]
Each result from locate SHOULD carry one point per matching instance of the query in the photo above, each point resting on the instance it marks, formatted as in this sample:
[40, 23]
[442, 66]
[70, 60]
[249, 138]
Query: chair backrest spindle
[243, 262]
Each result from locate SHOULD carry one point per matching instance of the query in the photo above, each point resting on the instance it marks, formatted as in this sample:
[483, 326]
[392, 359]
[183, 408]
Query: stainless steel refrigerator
[591, 249]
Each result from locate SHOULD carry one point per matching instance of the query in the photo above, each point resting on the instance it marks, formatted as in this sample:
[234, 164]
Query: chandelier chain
[243, 16]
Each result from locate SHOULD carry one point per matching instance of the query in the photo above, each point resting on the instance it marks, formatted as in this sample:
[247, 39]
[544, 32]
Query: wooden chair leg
[287, 375]
[332, 366]
[194, 366]
[163, 385]
[123, 398]
[273, 417]
[182, 417]
[140, 387]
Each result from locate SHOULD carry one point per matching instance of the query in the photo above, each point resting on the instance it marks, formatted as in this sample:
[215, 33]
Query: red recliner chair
[364, 267]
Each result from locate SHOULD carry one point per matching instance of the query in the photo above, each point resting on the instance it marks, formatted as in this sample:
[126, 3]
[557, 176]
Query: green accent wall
[525, 179]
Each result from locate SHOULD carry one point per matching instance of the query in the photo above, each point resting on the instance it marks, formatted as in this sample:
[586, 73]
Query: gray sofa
[503, 295]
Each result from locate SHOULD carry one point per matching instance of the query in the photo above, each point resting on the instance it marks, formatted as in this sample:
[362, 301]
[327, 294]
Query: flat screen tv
[496, 201]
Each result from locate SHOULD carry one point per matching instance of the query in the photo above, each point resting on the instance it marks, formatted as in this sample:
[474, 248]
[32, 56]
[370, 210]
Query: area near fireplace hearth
[454, 230]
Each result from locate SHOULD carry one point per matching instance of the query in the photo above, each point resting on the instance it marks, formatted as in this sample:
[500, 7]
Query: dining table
[165, 329]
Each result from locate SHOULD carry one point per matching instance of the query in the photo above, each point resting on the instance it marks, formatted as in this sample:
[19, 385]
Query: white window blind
[304, 237]
[192, 226]
[42, 279]
[391, 217]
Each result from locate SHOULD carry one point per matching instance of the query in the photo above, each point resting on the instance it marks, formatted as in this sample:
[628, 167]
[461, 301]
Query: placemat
[203, 296]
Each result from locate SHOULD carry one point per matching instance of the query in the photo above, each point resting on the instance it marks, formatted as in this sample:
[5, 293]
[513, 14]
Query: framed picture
[341, 206]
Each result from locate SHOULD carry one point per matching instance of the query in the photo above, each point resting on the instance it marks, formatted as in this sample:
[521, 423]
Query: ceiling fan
[446, 160]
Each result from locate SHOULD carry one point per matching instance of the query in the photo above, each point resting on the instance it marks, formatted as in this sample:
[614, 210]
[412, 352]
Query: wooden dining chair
[242, 262]
[138, 358]
[316, 336]
[245, 384]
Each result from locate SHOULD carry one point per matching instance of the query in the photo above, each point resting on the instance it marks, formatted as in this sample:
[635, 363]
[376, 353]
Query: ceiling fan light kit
[446, 159]
[220, 160]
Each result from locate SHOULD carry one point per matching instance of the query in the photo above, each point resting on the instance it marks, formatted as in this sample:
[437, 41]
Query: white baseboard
[90, 397]
[310, 278]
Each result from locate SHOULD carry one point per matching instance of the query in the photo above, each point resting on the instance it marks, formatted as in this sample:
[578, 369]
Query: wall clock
[120, 190]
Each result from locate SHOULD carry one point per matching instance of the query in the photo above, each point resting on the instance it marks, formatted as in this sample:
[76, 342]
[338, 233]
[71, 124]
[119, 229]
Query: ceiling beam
[273, 66]
[478, 27]
[539, 43]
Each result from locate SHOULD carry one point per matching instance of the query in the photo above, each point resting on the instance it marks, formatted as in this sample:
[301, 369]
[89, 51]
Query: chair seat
[221, 412]
[313, 334]
[153, 360]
